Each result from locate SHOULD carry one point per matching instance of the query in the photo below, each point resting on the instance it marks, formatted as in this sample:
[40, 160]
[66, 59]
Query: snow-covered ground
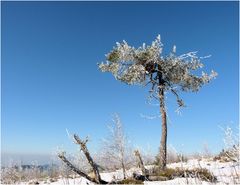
[226, 173]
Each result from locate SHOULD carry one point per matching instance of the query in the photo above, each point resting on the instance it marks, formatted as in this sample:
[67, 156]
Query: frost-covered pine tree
[146, 66]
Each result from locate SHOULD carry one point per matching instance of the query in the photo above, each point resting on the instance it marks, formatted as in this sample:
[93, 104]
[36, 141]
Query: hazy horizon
[8, 159]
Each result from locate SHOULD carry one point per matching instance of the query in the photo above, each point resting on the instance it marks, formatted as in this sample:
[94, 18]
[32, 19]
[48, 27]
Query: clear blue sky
[50, 78]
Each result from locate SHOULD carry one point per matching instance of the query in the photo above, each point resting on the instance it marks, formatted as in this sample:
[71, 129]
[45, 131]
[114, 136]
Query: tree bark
[122, 157]
[163, 144]
[76, 170]
[124, 170]
[140, 162]
[89, 158]
[97, 178]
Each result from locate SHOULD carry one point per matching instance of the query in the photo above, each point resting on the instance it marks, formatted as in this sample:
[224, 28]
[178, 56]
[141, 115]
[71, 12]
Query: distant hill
[44, 167]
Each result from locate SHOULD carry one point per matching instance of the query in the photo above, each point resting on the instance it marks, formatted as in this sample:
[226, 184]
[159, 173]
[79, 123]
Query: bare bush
[172, 155]
[16, 173]
[206, 153]
[195, 155]
[231, 150]
[231, 141]
[10, 175]
[116, 152]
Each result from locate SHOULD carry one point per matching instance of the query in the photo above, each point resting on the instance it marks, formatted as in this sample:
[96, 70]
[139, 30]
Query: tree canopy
[146, 65]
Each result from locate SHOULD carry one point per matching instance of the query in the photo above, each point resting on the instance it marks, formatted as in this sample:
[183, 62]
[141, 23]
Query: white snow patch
[226, 173]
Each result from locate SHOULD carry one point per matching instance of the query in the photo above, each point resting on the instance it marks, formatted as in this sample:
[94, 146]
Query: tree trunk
[140, 163]
[163, 144]
[124, 170]
[89, 158]
[76, 170]
[79, 172]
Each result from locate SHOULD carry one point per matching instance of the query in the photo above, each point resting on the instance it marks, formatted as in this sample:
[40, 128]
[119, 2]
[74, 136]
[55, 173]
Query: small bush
[129, 181]
[171, 173]
[230, 155]
[168, 173]
[200, 173]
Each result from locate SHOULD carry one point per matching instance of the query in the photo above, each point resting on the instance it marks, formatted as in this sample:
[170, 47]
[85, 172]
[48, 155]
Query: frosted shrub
[10, 175]
[116, 152]
[231, 142]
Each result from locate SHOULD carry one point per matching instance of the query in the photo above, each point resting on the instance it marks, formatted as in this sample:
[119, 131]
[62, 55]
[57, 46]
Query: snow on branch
[147, 66]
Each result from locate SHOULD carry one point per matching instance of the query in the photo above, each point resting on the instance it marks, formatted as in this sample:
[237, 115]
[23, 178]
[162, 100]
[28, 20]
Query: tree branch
[83, 146]
[73, 168]
[179, 100]
[140, 162]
